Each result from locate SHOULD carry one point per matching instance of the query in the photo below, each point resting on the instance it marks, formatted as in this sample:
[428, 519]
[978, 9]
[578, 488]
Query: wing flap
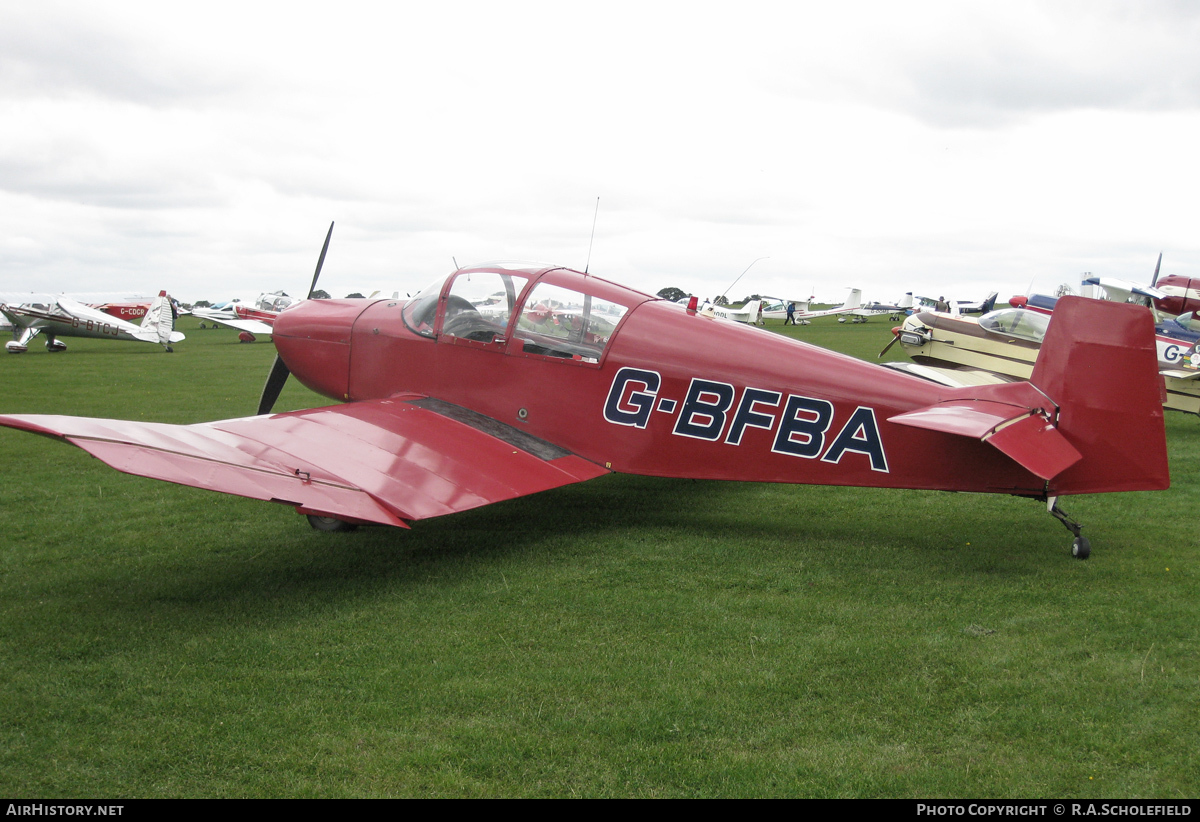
[379, 461]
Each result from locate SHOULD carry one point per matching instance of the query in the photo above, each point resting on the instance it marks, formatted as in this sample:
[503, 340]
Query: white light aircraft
[64, 317]
[853, 302]
[895, 311]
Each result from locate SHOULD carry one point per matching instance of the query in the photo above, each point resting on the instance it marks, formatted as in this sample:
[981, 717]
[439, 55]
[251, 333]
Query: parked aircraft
[251, 320]
[956, 306]
[446, 409]
[1171, 295]
[854, 301]
[1003, 346]
[1180, 294]
[132, 310]
[775, 308]
[894, 311]
[64, 317]
[1174, 336]
[750, 313]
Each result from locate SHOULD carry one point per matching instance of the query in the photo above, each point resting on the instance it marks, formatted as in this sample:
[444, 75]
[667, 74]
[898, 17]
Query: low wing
[229, 317]
[385, 461]
[253, 326]
[953, 377]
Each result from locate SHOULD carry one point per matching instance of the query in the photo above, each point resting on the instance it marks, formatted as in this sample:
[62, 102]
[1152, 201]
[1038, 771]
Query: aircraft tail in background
[159, 322]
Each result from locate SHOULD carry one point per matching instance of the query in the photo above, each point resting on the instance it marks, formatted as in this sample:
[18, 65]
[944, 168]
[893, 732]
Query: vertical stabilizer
[1098, 364]
[160, 318]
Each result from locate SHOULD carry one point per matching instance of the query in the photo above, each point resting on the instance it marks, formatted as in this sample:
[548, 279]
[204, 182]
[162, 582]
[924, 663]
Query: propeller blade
[272, 387]
[279, 370]
[320, 262]
[1154, 282]
[888, 347]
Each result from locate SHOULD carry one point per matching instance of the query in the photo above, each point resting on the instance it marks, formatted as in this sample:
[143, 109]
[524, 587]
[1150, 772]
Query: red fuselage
[674, 394]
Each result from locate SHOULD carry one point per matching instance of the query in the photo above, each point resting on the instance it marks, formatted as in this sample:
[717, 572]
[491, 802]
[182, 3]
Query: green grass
[623, 637]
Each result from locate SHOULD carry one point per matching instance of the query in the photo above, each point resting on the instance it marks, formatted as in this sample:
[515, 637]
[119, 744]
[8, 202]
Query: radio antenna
[593, 237]
[743, 274]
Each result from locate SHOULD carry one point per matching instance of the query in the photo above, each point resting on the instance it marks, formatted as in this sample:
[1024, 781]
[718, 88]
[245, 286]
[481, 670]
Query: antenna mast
[735, 282]
[593, 237]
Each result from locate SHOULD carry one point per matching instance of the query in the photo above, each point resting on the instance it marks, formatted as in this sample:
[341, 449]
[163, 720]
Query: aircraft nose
[313, 339]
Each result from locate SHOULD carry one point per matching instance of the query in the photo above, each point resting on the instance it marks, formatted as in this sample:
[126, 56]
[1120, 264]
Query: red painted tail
[1098, 364]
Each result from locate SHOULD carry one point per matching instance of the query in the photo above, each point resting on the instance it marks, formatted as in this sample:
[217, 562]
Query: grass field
[622, 637]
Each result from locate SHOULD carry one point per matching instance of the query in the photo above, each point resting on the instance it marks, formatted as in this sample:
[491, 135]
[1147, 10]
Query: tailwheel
[1080, 547]
[329, 523]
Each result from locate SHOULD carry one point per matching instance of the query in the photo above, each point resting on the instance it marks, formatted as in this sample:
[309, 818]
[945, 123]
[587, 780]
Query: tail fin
[854, 300]
[1089, 420]
[160, 319]
[1099, 365]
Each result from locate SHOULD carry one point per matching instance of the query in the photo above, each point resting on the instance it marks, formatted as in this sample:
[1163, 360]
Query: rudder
[1099, 365]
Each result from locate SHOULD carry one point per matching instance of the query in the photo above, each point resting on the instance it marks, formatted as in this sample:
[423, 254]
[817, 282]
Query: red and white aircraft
[258, 319]
[442, 409]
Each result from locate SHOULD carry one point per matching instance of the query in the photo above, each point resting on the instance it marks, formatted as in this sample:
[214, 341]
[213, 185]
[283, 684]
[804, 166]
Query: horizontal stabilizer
[1015, 430]
[1036, 445]
[381, 461]
[959, 377]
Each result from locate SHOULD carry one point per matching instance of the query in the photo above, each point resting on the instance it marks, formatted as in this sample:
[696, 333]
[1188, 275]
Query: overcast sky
[943, 147]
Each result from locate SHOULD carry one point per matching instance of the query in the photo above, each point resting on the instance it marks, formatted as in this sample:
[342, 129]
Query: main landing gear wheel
[329, 523]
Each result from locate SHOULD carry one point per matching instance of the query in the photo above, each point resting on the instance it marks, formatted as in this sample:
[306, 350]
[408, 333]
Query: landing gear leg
[1080, 547]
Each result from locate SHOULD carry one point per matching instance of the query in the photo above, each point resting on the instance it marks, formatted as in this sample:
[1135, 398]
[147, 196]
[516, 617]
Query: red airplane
[446, 408]
[1183, 294]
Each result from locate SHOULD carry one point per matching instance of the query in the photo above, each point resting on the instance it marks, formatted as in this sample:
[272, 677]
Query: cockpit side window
[560, 322]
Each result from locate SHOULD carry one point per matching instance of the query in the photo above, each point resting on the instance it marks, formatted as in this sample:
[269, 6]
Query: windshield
[478, 304]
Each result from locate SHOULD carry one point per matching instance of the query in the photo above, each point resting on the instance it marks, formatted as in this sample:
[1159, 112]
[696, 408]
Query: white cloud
[889, 146]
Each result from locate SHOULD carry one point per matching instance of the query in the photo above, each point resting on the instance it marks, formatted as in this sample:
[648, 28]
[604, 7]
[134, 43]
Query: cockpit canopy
[551, 312]
[1016, 322]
